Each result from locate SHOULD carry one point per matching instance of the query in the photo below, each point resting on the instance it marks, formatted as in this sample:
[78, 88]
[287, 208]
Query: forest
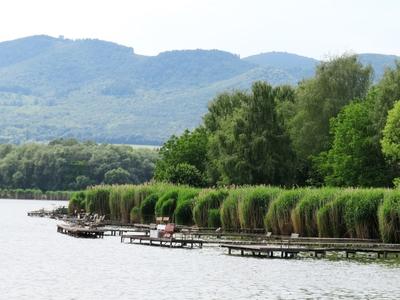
[72, 165]
[338, 128]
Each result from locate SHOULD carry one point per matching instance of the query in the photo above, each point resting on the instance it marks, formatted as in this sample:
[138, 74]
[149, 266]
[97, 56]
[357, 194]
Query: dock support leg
[229, 251]
[241, 252]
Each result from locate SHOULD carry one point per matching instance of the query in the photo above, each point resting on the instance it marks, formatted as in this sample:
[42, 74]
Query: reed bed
[324, 212]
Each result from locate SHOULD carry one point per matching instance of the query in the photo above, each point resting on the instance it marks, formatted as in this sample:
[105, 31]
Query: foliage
[355, 158]
[207, 200]
[214, 218]
[325, 212]
[69, 164]
[117, 176]
[389, 218]
[77, 202]
[184, 173]
[253, 206]
[278, 218]
[391, 134]
[250, 147]
[336, 83]
[147, 208]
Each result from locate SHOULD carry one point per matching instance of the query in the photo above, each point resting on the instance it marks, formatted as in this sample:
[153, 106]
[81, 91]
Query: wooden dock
[290, 251]
[163, 242]
[78, 231]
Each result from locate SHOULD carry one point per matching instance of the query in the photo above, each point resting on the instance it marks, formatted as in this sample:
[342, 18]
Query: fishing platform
[79, 231]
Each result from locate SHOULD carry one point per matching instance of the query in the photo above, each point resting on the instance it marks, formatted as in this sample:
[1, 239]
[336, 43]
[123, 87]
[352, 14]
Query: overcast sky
[315, 28]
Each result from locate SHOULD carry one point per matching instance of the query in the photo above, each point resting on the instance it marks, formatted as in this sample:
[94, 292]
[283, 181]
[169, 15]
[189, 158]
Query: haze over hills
[97, 90]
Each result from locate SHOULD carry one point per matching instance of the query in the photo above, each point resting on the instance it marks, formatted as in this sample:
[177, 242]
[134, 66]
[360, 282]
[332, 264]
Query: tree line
[72, 165]
[335, 129]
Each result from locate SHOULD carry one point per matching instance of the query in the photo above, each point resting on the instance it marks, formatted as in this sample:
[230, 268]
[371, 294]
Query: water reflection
[38, 263]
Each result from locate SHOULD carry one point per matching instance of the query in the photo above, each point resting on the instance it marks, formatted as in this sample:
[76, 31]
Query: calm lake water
[36, 262]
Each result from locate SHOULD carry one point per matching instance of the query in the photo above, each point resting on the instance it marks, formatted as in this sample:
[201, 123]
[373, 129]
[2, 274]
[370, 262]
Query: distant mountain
[295, 65]
[97, 90]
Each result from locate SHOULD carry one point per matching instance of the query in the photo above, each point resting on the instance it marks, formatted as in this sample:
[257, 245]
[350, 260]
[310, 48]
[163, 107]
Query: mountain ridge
[99, 90]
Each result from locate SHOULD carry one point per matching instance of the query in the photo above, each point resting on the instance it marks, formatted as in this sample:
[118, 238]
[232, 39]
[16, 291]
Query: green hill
[92, 89]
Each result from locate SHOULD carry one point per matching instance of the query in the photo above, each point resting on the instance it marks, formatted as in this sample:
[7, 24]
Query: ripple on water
[38, 263]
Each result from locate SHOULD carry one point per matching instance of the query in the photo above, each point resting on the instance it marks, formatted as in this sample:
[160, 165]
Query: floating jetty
[172, 242]
[78, 231]
[315, 250]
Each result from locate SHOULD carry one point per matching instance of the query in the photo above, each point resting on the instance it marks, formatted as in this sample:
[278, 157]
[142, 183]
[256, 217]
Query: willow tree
[249, 145]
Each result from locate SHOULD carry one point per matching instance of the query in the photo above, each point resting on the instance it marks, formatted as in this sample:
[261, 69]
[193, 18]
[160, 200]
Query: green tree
[250, 146]
[391, 134]
[117, 176]
[189, 149]
[184, 173]
[336, 83]
[387, 93]
[355, 159]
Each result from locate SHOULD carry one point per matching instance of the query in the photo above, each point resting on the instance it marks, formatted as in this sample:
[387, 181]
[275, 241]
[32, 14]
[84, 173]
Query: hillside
[97, 90]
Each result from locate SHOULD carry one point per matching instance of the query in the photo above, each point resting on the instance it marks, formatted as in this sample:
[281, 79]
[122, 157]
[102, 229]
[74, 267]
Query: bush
[147, 208]
[127, 202]
[361, 213]
[389, 218]
[169, 195]
[230, 212]
[330, 217]
[135, 215]
[304, 216]
[97, 200]
[214, 218]
[184, 213]
[77, 202]
[168, 208]
[278, 218]
[253, 206]
[207, 199]
[184, 173]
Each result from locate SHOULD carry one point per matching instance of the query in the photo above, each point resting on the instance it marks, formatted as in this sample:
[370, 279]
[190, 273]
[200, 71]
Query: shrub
[168, 195]
[168, 208]
[77, 202]
[184, 213]
[389, 218]
[304, 216]
[147, 208]
[330, 217]
[127, 202]
[214, 218]
[361, 213]
[230, 212]
[207, 199]
[97, 200]
[278, 218]
[115, 203]
[253, 206]
[135, 215]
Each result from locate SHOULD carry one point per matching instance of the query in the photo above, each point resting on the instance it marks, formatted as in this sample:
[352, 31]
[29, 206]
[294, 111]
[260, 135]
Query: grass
[207, 199]
[304, 215]
[253, 205]
[324, 212]
[278, 218]
[389, 217]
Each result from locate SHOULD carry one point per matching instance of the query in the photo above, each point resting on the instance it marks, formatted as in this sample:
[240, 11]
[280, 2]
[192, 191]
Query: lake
[36, 262]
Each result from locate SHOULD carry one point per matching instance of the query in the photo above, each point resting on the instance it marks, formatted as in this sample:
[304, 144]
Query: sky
[315, 28]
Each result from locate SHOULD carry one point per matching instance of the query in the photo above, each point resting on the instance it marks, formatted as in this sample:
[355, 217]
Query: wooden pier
[78, 231]
[290, 251]
[172, 242]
